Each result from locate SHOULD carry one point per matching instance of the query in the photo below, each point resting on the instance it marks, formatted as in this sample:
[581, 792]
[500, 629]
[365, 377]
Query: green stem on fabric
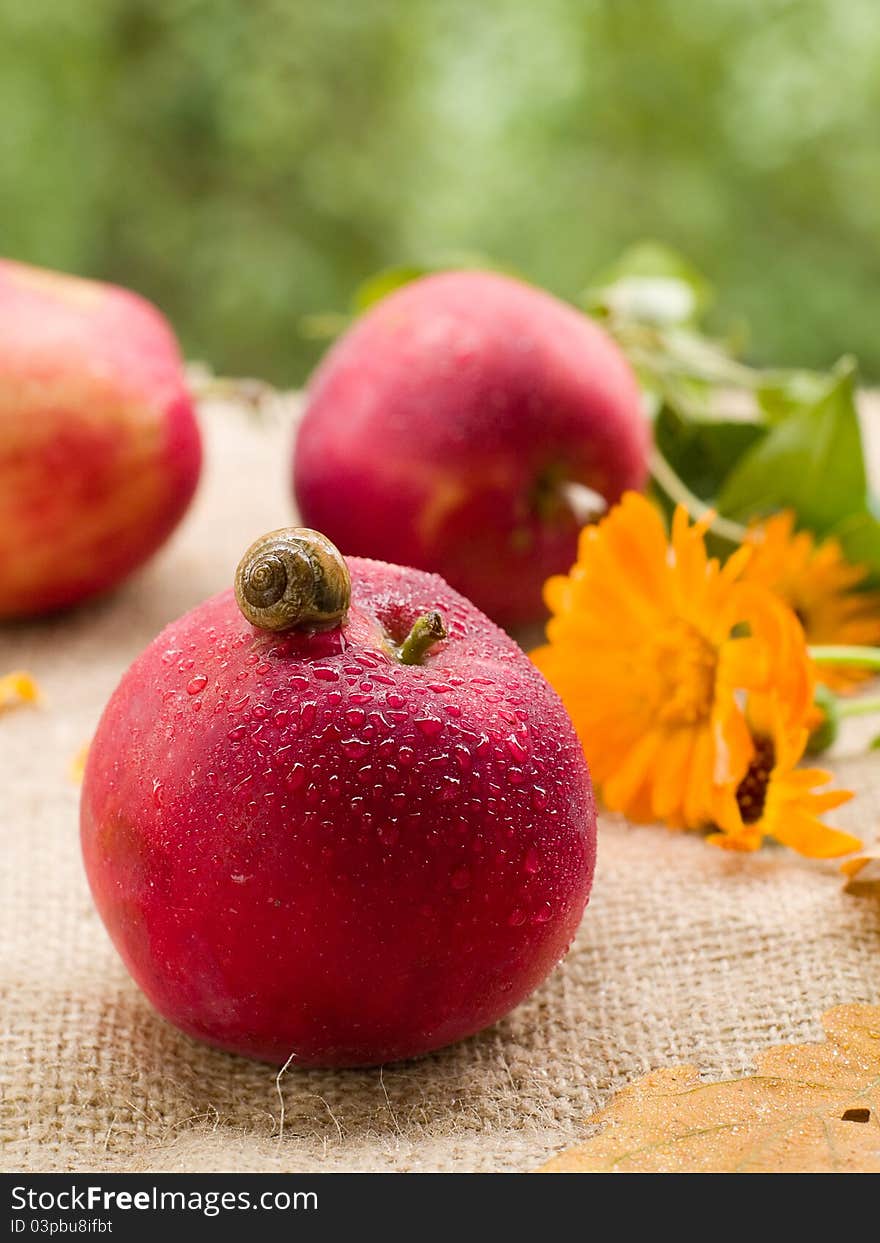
[843, 654]
[677, 490]
[859, 707]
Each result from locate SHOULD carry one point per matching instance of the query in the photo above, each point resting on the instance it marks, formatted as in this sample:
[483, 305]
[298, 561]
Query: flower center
[751, 793]
[686, 664]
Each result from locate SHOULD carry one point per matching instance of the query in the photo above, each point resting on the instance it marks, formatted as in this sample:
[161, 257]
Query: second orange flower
[691, 688]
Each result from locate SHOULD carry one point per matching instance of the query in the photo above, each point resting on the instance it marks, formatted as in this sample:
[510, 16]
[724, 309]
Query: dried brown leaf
[808, 1108]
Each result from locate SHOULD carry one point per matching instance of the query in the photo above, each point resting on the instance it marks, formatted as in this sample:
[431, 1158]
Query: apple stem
[426, 631]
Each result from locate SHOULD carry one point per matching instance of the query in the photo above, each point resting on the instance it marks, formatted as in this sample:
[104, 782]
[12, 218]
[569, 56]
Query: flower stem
[677, 490]
[842, 654]
[868, 706]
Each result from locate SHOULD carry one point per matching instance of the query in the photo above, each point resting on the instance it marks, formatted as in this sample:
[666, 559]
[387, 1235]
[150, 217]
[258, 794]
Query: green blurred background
[243, 162]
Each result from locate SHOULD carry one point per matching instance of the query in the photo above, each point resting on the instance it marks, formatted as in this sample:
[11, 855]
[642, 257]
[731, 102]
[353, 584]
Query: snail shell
[293, 578]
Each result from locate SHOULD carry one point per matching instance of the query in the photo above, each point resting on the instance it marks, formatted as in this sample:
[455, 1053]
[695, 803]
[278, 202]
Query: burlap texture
[685, 953]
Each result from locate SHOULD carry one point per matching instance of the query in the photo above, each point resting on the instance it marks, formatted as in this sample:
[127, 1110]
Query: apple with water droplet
[465, 418]
[99, 449]
[336, 816]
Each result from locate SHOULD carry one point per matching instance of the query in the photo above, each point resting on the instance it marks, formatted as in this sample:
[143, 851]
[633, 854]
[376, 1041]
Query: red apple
[99, 448]
[346, 845]
[451, 417]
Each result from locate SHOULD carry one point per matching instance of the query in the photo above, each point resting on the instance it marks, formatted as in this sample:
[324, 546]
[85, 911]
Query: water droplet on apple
[462, 757]
[197, 684]
[461, 878]
[516, 748]
[296, 777]
[448, 790]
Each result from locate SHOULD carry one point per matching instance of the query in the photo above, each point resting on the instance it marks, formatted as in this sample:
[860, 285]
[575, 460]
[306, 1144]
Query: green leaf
[784, 394]
[859, 538]
[650, 283]
[384, 282]
[812, 462]
[825, 734]
[380, 284]
[703, 453]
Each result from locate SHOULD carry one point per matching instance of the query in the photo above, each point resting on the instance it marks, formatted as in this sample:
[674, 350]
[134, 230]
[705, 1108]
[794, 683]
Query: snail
[293, 578]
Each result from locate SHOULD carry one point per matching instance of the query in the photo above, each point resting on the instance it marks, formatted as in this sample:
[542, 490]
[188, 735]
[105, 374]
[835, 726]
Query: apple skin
[437, 430]
[301, 846]
[99, 448]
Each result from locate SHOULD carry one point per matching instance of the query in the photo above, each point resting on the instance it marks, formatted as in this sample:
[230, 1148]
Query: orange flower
[770, 797]
[819, 584]
[652, 647]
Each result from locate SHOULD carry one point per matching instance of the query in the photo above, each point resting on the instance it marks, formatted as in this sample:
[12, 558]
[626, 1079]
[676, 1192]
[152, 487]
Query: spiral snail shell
[293, 578]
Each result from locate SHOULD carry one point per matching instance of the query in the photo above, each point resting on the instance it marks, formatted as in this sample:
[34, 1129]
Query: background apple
[303, 845]
[99, 448]
[450, 418]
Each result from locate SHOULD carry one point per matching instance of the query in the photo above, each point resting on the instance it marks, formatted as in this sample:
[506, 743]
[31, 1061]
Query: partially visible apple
[99, 448]
[452, 419]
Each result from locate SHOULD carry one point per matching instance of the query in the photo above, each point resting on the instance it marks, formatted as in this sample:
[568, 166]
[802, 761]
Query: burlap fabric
[685, 953]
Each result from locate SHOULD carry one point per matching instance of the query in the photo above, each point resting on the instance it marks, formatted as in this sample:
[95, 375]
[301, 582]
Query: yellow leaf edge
[862, 874]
